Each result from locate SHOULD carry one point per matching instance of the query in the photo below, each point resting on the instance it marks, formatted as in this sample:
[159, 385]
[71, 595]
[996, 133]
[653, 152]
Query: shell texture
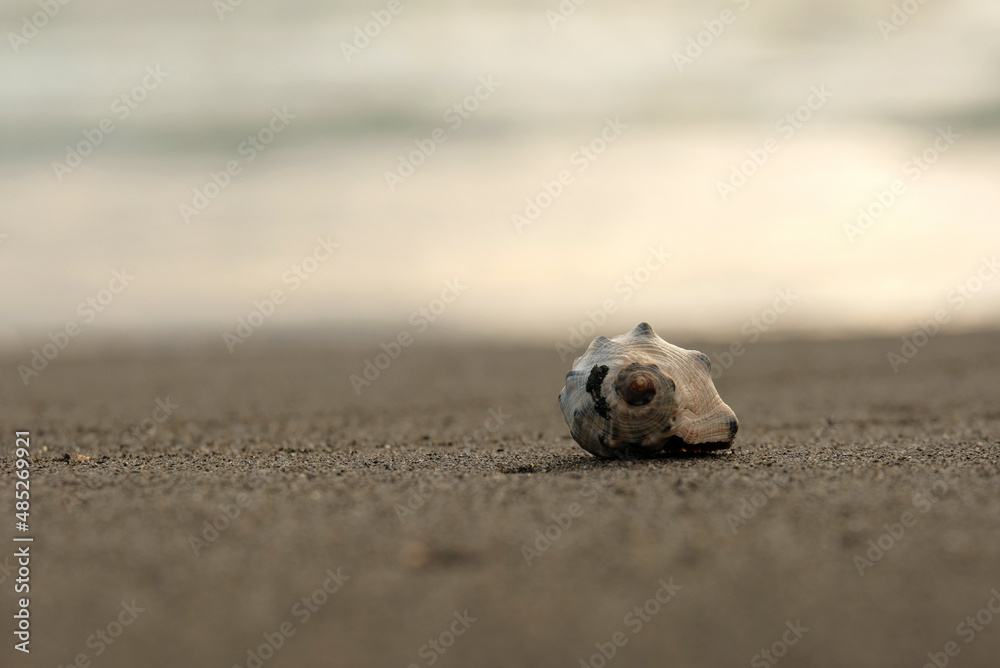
[636, 395]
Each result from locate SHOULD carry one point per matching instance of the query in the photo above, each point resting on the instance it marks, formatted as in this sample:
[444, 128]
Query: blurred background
[739, 138]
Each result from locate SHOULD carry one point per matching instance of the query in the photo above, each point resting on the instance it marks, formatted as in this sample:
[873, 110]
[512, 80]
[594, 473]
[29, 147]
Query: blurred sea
[681, 131]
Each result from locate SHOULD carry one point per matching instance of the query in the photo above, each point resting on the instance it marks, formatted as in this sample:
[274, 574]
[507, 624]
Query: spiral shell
[638, 396]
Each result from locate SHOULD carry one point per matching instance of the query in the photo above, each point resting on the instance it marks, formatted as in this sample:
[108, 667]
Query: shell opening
[636, 385]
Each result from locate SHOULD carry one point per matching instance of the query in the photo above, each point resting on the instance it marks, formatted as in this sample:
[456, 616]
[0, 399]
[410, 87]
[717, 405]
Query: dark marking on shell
[703, 358]
[597, 375]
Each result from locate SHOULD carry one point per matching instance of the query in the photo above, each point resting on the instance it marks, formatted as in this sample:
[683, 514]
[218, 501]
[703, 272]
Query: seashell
[637, 395]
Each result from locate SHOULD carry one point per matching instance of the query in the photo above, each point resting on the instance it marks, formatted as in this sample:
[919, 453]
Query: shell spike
[643, 329]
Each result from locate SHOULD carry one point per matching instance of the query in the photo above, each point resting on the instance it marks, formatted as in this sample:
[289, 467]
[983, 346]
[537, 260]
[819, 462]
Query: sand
[856, 522]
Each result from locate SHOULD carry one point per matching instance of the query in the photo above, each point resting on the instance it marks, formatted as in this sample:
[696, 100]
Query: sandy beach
[444, 517]
[291, 290]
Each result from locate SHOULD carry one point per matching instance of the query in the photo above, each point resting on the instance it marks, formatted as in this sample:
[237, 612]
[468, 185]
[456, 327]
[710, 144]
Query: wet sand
[856, 522]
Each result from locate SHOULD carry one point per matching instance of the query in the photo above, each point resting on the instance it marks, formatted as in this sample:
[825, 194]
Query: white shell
[637, 395]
